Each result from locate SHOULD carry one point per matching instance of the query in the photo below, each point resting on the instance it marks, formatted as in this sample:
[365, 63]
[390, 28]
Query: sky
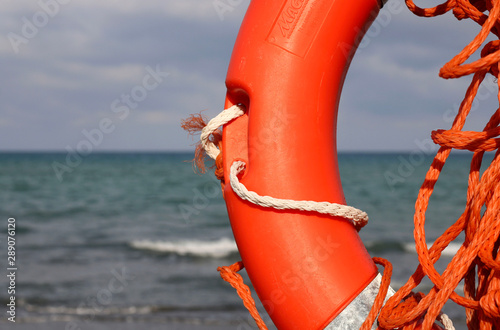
[120, 75]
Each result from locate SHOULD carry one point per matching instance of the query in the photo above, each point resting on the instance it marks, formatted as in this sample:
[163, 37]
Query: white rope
[359, 217]
[221, 119]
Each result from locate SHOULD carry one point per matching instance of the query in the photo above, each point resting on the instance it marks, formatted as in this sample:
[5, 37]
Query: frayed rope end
[194, 124]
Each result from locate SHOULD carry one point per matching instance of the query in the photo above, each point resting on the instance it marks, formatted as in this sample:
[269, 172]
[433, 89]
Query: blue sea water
[131, 240]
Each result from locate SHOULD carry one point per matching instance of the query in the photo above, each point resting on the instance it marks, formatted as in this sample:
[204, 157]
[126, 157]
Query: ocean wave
[221, 248]
[450, 250]
[62, 310]
[397, 246]
[214, 315]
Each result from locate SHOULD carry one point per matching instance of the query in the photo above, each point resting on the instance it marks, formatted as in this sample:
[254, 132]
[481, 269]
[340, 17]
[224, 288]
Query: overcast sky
[122, 74]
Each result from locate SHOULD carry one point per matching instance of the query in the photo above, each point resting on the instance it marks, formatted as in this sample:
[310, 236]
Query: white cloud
[92, 51]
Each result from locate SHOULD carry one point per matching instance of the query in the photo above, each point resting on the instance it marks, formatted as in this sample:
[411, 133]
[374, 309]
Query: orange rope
[477, 262]
[382, 293]
[230, 275]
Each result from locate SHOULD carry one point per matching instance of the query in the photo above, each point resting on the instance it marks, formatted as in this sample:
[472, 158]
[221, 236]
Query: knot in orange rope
[468, 9]
[468, 140]
[457, 67]
[491, 48]
[230, 275]
[397, 315]
[490, 304]
[411, 301]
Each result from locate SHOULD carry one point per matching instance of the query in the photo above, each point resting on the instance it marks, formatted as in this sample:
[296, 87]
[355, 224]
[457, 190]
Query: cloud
[66, 75]
[65, 78]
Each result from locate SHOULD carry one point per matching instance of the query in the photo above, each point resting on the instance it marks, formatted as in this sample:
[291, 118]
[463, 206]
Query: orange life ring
[287, 68]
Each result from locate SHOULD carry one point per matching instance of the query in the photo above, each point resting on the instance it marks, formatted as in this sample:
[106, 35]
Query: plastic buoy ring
[287, 69]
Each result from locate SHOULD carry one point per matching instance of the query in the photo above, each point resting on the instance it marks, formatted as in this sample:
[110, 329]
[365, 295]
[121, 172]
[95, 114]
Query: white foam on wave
[450, 250]
[132, 310]
[215, 249]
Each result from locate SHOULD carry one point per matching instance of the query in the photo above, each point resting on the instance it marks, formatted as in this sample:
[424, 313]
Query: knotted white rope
[221, 119]
[358, 217]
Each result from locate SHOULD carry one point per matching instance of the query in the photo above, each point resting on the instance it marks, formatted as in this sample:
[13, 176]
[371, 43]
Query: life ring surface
[287, 68]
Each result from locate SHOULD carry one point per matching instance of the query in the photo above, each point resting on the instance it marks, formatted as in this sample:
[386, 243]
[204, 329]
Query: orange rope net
[477, 262]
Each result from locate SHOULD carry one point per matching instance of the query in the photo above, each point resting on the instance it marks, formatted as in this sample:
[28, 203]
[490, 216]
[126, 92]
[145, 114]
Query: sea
[133, 240]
